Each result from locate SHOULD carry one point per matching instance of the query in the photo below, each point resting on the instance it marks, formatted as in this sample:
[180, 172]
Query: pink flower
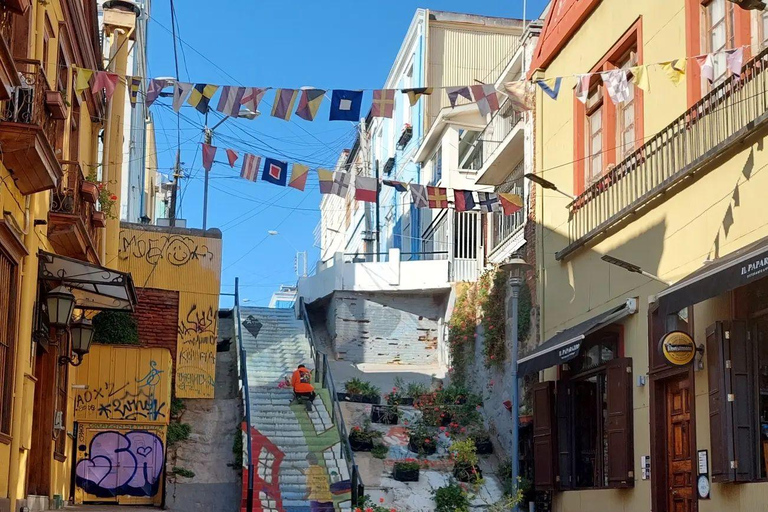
[381, 500]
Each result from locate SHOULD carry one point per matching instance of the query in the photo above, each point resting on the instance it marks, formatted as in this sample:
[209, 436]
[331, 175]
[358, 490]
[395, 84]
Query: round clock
[703, 486]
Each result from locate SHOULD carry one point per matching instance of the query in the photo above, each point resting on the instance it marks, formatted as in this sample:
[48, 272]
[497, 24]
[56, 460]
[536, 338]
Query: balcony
[689, 145]
[455, 237]
[71, 227]
[28, 132]
[498, 148]
[505, 232]
[9, 75]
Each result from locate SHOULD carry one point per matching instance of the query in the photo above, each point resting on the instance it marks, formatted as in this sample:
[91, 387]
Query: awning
[94, 286]
[565, 345]
[732, 271]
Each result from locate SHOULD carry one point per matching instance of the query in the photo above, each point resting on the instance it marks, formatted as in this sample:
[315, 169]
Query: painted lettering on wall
[178, 250]
[196, 358]
[117, 464]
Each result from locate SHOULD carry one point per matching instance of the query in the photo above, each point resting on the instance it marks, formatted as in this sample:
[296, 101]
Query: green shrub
[177, 406]
[177, 432]
[451, 498]
[183, 472]
[115, 328]
[357, 386]
[237, 447]
[380, 451]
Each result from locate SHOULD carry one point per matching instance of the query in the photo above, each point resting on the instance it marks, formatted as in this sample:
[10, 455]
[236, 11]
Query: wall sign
[678, 348]
[702, 483]
[645, 466]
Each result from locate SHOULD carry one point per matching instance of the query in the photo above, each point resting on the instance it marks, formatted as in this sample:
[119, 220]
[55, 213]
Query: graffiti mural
[196, 358]
[120, 464]
[177, 250]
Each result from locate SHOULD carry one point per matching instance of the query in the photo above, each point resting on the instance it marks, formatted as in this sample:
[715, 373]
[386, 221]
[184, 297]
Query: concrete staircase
[297, 461]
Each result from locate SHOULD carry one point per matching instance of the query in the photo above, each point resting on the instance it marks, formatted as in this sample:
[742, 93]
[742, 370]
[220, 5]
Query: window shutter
[743, 387]
[543, 436]
[720, 427]
[620, 468]
[564, 408]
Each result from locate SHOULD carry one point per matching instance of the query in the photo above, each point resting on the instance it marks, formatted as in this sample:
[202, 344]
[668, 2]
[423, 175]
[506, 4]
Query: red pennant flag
[208, 153]
[107, 81]
[510, 203]
[232, 157]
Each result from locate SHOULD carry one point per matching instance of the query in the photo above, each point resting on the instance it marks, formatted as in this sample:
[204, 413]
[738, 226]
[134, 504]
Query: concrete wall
[386, 328]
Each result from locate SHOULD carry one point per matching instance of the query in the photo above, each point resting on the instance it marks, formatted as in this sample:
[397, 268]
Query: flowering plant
[107, 199]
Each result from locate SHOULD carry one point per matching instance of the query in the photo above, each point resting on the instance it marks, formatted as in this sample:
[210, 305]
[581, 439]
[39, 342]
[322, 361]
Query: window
[8, 283]
[762, 25]
[594, 142]
[406, 105]
[625, 117]
[719, 33]
[437, 166]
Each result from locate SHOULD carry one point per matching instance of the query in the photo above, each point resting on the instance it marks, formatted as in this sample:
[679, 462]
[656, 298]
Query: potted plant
[482, 439]
[56, 104]
[90, 191]
[360, 391]
[385, 414]
[451, 498]
[406, 470]
[361, 439]
[464, 455]
[106, 198]
[421, 440]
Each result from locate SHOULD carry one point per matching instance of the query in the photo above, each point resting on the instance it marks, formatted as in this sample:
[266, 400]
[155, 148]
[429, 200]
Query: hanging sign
[678, 348]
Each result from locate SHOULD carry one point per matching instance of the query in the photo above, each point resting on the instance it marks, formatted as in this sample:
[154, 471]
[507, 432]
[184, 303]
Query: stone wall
[402, 328]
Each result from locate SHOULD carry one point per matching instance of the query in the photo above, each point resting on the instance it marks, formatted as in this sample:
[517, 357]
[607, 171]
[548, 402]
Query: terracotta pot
[54, 101]
[90, 191]
[99, 219]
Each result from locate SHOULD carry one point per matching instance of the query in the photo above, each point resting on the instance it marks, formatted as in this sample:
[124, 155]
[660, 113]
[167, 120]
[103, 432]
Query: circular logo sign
[678, 348]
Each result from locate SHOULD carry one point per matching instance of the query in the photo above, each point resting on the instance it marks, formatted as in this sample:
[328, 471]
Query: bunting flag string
[282, 108]
[299, 174]
[366, 189]
[550, 86]
[232, 157]
[209, 153]
[309, 103]
[251, 164]
[135, 86]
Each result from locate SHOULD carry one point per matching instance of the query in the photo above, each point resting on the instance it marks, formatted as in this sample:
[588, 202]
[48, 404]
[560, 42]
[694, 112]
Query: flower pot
[90, 191]
[406, 400]
[405, 475]
[484, 446]
[360, 445]
[362, 399]
[384, 414]
[54, 101]
[464, 472]
[423, 448]
[99, 219]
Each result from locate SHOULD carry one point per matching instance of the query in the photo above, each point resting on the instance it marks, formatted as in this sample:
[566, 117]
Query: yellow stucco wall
[671, 240]
[189, 263]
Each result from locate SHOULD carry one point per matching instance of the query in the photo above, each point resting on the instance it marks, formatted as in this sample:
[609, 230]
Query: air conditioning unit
[750, 5]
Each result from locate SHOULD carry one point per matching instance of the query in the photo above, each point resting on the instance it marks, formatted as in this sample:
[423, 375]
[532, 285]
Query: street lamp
[82, 336]
[273, 232]
[547, 184]
[631, 267]
[60, 303]
[516, 268]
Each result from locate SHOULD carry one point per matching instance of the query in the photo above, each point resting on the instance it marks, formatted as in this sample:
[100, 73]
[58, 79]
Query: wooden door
[681, 495]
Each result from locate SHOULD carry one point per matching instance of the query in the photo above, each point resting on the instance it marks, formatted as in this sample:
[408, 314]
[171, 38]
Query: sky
[344, 44]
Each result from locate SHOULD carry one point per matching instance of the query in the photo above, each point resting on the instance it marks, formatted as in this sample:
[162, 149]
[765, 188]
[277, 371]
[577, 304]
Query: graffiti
[267, 459]
[119, 464]
[199, 322]
[177, 250]
[196, 358]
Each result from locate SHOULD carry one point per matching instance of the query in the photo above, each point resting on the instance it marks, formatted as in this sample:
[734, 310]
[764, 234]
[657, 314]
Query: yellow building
[670, 181]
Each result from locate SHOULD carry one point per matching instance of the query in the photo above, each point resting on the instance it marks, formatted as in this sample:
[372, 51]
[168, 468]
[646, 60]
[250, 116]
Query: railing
[492, 137]
[503, 226]
[455, 236]
[243, 368]
[6, 25]
[726, 115]
[324, 376]
[27, 103]
[68, 198]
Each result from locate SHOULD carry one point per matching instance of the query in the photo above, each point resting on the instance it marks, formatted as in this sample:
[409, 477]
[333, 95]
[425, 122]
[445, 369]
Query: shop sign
[678, 348]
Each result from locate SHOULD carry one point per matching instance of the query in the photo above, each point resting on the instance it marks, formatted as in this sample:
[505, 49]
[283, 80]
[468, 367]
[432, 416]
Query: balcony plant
[464, 455]
[362, 439]
[421, 440]
[385, 414]
[451, 498]
[406, 470]
[405, 136]
[56, 104]
[358, 390]
[482, 439]
[106, 198]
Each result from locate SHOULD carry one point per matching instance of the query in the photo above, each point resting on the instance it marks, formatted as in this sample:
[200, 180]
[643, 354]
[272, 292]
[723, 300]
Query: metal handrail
[246, 395]
[324, 376]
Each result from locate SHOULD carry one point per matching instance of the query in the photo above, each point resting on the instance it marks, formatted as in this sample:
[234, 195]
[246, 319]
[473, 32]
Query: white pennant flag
[582, 87]
[707, 64]
[181, 91]
[616, 84]
[734, 60]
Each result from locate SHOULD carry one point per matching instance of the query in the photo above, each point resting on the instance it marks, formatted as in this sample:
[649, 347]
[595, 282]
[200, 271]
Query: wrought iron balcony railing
[730, 112]
[27, 103]
[69, 198]
[492, 137]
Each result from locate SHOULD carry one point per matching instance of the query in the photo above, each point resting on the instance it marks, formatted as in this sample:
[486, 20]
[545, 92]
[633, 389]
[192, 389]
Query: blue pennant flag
[551, 86]
[345, 105]
[275, 172]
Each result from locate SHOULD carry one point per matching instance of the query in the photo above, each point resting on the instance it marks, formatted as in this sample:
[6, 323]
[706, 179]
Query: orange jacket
[301, 381]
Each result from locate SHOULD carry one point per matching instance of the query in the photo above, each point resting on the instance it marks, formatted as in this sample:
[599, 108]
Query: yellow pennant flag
[675, 70]
[640, 77]
[82, 79]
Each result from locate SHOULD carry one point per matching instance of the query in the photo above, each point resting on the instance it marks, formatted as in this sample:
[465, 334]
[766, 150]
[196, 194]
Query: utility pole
[174, 188]
[378, 209]
[177, 167]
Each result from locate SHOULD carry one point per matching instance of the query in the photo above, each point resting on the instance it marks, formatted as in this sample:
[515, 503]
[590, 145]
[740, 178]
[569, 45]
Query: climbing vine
[115, 328]
[492, 299]
[524, 307]
[461, 332]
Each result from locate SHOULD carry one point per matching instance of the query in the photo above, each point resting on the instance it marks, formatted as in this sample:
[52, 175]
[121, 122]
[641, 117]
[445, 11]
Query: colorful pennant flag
[153, 91]
[615, 82]
[309, 103]
[488, 202]
[734, 60]
[341, 181]
[419, 198]
[455, 92]
[345, 105]
[232, 157]
[201, 95]
[325, 177]
[519, 95]
[550, 86]
[134, 83]
[230, 100]
[510, 203]
[486, 98]
[299, 175]
[275, 172]
[397, 185]
[707, 65]
[582, 87]
[251, 164]
[252, 97]
[383, 103]
[675, 69]
[209, 152]
[366, 189]
[181, 92]
[285, 99]
[82, 79]
[463, 200]
[640, 77]
[416, 93]
[437, 197]
[107, 81]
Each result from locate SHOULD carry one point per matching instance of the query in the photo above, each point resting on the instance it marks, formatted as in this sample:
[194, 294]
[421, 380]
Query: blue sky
[345, 44]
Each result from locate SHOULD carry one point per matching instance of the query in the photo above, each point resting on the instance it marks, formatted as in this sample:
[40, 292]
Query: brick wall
[386, 328]
[157, 313]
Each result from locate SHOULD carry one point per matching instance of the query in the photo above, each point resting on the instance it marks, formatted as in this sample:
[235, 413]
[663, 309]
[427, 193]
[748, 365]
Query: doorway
[679, 445]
